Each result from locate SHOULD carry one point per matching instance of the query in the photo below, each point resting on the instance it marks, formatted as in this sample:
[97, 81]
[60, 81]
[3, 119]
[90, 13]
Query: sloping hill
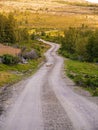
[82, 1]
[50, 6]
[45, 13]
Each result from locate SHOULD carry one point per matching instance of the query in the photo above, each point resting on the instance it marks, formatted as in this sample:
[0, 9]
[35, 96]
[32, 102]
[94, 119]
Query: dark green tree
[92, 47]
[3, 20]
[69, 40]
[7, 28]
[10, 29]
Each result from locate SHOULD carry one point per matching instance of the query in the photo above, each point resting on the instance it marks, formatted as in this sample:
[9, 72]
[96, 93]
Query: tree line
[80, 43]
[10, 32]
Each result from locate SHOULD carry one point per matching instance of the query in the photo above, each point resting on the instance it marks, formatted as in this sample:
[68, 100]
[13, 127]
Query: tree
[10, 30]
[7, 28]
[80, 49]
[92, 47]
[9, 59]
[69, 40]
[3, 20]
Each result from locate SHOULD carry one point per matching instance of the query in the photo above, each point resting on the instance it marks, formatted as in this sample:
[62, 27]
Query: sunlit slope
[75, 0]
[51, 13]
[51, 6]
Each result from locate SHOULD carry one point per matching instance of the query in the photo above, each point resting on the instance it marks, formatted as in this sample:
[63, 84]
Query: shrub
[92, 47]
[43, 33]
[9, 59]
[80, 44]
[33, 36]
[95, 92]
[31, 55]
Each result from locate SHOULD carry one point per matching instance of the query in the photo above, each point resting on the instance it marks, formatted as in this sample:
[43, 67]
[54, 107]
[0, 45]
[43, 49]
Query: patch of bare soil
[8, 50]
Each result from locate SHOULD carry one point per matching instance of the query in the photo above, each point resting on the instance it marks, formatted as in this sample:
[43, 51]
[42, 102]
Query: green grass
[84, 74]
[10, 74]
[8, 78]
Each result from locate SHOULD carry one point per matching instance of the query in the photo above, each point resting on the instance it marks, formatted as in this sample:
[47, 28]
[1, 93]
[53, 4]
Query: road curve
[47, 103]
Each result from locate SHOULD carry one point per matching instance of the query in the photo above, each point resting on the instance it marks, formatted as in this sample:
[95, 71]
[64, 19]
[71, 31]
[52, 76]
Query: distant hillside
[48, 0]
[72, 1]
[49, 6]
[51, 13]
[82, 1]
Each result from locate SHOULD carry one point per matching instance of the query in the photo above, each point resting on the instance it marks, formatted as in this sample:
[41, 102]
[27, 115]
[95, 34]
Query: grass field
[84, 74]
[36, 20]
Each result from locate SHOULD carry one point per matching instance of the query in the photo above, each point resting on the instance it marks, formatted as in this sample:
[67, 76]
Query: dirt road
[47, 103]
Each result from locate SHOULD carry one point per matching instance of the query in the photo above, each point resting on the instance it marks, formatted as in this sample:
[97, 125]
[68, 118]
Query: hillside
[42, 43]
[51, 6]
[44, 14]
[76, 1]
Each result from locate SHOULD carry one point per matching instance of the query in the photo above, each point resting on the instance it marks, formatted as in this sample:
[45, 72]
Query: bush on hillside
[80, 44]
[30, 55]
[9, 59]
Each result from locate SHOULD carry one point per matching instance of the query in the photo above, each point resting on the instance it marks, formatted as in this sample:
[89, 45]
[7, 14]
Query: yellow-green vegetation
[81, 44]
[38, 20]
[10, 74]
[6, 77]
[12, 34]
[51, 13]
[84, 74]
[56, 15]
[50, 19]
[54, 32]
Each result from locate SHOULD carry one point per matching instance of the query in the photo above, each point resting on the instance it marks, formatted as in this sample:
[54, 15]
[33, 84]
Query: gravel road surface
[47, 103]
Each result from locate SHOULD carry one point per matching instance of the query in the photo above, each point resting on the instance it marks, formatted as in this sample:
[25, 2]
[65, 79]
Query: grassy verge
[10, 74]
[84, 74]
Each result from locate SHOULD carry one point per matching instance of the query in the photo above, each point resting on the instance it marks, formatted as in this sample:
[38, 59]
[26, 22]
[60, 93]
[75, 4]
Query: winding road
[47, 103]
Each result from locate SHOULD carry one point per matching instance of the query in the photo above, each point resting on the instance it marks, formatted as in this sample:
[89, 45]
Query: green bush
[33, 36]
[43, 33]
[95, 92]
[9, 59]
[80, 44]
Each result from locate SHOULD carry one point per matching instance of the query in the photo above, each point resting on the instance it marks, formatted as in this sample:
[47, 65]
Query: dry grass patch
[9, 50]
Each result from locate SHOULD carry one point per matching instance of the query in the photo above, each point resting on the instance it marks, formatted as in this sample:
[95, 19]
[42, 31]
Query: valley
[48, 65]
